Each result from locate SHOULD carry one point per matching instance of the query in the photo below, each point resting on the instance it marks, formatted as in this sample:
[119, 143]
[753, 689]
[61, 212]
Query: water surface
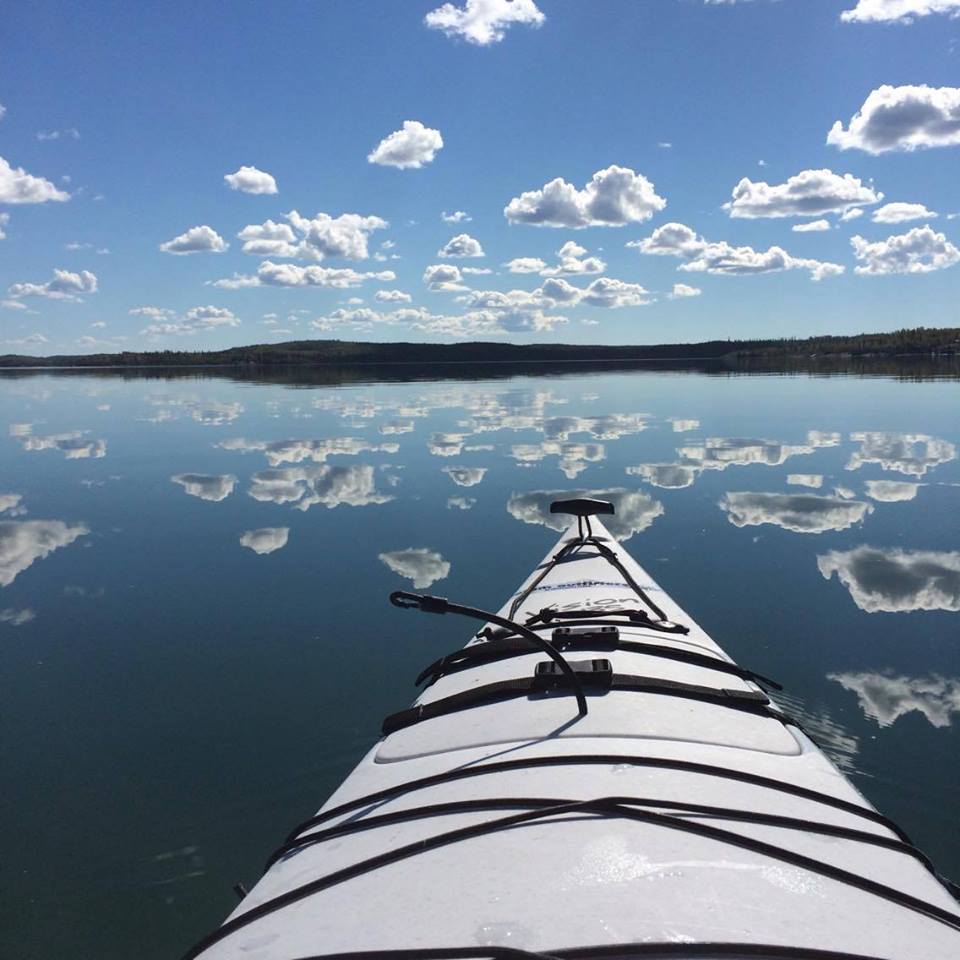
[195, 643]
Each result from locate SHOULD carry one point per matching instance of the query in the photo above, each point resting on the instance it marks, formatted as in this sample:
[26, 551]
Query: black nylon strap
[503, 649]
[753, 700]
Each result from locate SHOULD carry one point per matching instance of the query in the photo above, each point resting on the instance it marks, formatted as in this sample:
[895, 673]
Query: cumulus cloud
[462, 245]
[265, 540]
[895, 580]
[910, 453]
[703, 256]
[851, 214]
[17, 618]
[920, 250]
[461, 503]
[635, 512]
[73, 445]
[891, 491]
[808, 194]
[215, 487]
[417, 564]
[318, 484]
[483, 22]
[798, 512]
[409, 148]
[902, 118]
[196, 319]
[291, 275]
[814, 226]
[465, 476]
[251, 180]
[681, 290]
[316, 238]
[277, 452]
[898, 11]
[885, 697]
[22, 542]
[571, 261]
[18, 186]
[614, 197]
[11, 502]
[458, 216]
[392, 296]
[443, 278]
[902, 213]
[669, 476]
[812, 480]
[202, 239]
[65, 285]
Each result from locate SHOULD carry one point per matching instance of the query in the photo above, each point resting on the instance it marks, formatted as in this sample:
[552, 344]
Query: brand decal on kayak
[577, 584]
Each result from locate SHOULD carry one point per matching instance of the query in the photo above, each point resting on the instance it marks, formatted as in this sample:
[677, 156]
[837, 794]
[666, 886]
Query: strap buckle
[597, 673]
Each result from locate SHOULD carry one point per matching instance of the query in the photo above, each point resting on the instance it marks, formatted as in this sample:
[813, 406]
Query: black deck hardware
[753, 701]
[582, 507]
[416, 601]
[506, 647]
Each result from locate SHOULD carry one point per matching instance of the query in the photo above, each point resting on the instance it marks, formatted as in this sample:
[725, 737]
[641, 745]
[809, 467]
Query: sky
[185, 175]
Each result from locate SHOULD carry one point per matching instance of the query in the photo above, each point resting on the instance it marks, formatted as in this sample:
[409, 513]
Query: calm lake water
[195, 639]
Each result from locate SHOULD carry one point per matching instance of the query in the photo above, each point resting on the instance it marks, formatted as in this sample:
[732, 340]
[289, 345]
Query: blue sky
[122, 121]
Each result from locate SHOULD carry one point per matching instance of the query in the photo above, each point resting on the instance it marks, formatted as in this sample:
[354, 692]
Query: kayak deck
[659, 817]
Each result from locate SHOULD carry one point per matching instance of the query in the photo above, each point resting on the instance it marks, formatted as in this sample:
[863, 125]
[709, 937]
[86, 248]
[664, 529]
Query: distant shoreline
[921, 342]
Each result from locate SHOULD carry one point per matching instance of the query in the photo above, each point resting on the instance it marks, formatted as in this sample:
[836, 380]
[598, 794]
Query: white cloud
[814, 226]
[613, 197]
[418, 564]
[902, 118]
[409, 148]
[797, 512]
[898, 11]
[443, 277]
[3, 111]
[894, 580]
[392, 296]
[886, 697]
[306, 486]
[12, 305]
[465, 476]
[22, 542]
[902, 213]
[202, 239]
[635, 512]
[18, 186]
[483, 22]
[808, 194]
[71, 133]
[462, 245]
[910, 453]
[11, 502]
[65, 285]
[700, 255]
[316, 239]
[154, 313]
[920, 250]
[526, 265]
[668, 476]
[17, 618]
[72, 445]
[891, 491]
[4, 220]
[851, 214]
[194, 320]
[572, 262]
[33, 339]
[215, 487]
[458, 216]
[291, 275]
[461, 503]
[251, 180]
[265, 540]
[812, 480]
[476, 271]
[681, 290]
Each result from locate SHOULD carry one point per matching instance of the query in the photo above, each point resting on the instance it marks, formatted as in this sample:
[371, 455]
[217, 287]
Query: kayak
[592, 775]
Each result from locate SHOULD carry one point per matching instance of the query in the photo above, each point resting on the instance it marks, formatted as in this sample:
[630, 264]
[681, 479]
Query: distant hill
[920, 341]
